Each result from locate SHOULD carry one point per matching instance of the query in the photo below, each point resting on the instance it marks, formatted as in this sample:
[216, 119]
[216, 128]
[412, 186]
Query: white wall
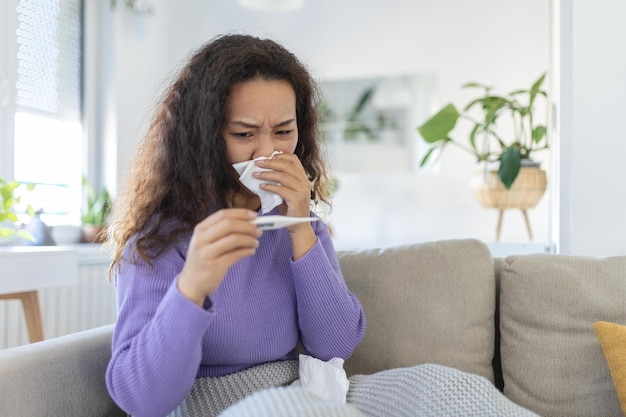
[503, 43]
[592, 86]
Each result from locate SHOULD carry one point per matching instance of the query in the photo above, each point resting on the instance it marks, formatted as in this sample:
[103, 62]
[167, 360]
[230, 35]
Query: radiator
[64, 310]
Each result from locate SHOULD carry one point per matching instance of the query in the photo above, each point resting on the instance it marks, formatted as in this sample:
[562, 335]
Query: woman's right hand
[217, 242]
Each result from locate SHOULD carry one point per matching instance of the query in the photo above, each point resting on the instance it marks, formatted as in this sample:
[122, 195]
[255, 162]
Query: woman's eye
[242, 134]
[284, 132]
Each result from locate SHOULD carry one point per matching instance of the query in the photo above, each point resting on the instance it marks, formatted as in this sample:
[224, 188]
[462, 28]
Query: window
[46, 137]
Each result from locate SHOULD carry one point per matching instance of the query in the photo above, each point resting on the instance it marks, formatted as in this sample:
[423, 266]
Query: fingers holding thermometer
[216, 244]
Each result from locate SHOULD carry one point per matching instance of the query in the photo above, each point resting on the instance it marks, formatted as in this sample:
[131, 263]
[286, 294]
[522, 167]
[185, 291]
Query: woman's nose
[265, 146]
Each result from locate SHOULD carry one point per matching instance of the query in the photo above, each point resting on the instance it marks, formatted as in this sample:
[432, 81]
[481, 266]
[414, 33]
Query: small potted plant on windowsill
[95, 215]
[9, 228]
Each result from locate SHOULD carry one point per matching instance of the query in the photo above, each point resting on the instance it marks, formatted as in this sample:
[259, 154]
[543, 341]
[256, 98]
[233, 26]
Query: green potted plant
[485, 141]
[9, 229]
[359, 122]
[95, 214]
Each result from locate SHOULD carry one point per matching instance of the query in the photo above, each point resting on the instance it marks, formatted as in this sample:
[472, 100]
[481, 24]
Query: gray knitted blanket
[424, 390]
[210, 396]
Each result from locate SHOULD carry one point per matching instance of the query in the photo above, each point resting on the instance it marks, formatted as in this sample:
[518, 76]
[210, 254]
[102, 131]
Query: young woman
[212, 310]
[202, 292]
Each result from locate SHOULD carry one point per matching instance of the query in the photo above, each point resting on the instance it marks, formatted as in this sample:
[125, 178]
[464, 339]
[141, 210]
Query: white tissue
[327, 380]
[245, 169]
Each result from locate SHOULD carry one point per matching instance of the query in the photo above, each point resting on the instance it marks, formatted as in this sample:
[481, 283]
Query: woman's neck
[246, 200]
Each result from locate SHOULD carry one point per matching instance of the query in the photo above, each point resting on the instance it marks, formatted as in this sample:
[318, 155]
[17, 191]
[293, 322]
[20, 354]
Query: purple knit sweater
[163, 341]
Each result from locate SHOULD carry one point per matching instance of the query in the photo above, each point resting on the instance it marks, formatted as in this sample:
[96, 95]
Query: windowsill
[91, 253]
[30, 268]
[98, 254]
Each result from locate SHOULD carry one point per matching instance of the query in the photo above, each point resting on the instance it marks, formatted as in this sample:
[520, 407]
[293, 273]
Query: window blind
[49, 38]
[48, 107]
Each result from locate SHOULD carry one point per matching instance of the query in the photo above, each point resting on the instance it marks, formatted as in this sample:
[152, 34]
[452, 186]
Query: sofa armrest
[63, 376]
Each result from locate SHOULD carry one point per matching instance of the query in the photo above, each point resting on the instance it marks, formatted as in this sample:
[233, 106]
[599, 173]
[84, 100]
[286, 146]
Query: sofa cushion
[612, 338]
[424, 303]
[551, 360]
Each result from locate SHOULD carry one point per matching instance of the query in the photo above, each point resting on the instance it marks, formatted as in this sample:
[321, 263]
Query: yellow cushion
[613, 340]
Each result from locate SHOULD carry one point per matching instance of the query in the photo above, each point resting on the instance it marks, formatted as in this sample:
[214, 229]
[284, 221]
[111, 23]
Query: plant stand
[499, 227]
[525, 193]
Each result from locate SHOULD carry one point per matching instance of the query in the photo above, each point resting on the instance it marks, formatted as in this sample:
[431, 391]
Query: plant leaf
[99, 204]
[474, 102]
[25, 234]
[472, 137]
[534, 90]
[539, 132]
[439, 125]
[361, 103]
[510, 164]
[478, 85]
[427, 156]
[6, 193]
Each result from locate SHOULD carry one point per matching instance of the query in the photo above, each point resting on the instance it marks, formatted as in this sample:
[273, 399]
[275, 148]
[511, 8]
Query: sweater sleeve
[156, 347]
[330, 317]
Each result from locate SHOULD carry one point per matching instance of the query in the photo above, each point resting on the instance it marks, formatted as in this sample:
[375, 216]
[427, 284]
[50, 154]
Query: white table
[26, 269]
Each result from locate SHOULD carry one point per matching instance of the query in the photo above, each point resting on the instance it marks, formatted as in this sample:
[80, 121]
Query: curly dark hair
[180, 171]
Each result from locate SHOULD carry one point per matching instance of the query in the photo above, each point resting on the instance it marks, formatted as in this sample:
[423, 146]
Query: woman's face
[260, 119]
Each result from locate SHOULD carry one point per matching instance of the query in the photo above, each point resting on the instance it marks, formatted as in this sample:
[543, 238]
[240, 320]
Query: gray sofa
[524, 322]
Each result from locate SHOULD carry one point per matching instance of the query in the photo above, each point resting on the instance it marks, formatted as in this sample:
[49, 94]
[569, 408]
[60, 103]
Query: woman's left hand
[295, 189]
[293, 183]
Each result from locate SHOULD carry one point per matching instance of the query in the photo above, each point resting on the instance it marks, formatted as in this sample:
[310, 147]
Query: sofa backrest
[552, 361]
[436, 303]
[424, 303]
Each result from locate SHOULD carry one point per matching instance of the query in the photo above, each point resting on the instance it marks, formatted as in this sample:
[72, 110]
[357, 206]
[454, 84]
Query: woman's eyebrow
[285, 123]
[244, 124]
[254, 126]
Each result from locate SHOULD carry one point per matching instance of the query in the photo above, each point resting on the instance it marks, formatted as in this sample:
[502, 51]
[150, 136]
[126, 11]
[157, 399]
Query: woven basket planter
[525, 193]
